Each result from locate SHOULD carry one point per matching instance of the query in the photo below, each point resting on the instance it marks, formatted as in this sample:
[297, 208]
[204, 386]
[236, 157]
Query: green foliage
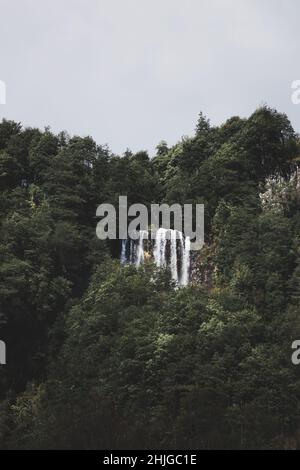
[106, 356]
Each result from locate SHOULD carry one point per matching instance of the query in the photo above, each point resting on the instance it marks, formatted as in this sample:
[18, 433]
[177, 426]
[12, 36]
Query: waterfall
[160, 248]
[140, 247]
[185, 270]
[170, 248]
[123, 258]
[132, 252]
[173, 261]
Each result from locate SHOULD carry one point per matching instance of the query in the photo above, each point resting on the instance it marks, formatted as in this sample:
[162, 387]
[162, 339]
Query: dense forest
[105, 356]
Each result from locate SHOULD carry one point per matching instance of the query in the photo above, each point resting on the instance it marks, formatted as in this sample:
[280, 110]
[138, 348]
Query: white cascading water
[143, 235]
[185, 271]
[123, 252]
[132, 252]
[160, 248]
[177, 257]
[173, 260]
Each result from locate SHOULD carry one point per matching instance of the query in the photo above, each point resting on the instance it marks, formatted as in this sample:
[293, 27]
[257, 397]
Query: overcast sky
[133, 72]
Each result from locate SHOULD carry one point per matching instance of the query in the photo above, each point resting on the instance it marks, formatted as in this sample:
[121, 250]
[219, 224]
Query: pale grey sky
[133, 72]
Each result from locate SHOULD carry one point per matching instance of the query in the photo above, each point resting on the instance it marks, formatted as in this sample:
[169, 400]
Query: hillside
[102, 355]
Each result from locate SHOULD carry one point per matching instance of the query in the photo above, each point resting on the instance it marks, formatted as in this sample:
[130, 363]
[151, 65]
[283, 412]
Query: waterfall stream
[123, 257]
[143, 235]
[170, 249]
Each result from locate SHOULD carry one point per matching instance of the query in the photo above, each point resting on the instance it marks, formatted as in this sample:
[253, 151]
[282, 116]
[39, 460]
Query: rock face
[169, 248]
[202, 268]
